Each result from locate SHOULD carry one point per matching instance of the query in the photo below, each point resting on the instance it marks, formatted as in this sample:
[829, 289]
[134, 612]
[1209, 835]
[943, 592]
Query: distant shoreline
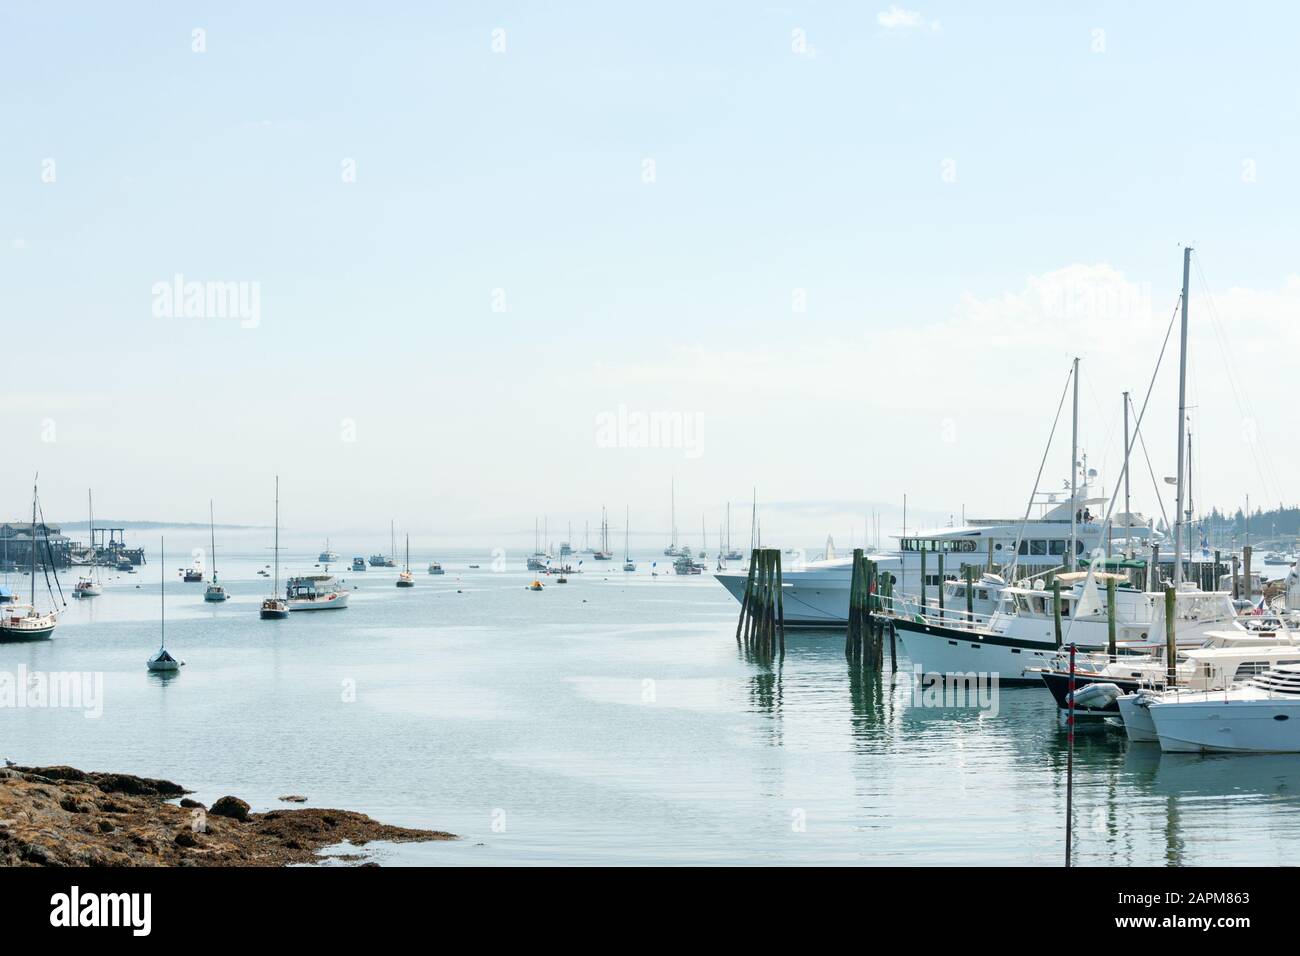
[146, 525]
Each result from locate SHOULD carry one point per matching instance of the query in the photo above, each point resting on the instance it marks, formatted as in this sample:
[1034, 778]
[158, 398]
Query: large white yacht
[816, 594]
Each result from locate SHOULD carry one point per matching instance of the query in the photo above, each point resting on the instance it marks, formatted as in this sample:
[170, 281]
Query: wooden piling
[1171, 647]
[761, 628]
[970, 595]
[1245, 566]
[1111, 649]
[923, 579]
[1056, 610]
[941, 585]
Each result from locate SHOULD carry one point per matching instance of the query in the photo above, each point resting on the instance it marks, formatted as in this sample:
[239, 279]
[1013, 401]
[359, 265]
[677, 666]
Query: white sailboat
[406, 579]
[163, 661]
[628, 563]
[22, 622]
[275, 608]
[672, 550]
[214, 592]
[604, 554]
[89, 585]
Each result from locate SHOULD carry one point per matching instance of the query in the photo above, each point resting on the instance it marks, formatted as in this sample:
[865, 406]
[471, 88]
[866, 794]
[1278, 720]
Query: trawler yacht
[314, 592]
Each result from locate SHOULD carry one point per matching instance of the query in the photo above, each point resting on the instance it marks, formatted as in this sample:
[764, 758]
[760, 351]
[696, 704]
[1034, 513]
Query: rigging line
[1242, 398]
[1114, 496]
[1015, 558]
[49, 553]
[1155, 483]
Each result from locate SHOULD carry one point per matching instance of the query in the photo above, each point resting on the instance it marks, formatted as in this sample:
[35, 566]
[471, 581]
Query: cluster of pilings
[761, 628]
[870, 594]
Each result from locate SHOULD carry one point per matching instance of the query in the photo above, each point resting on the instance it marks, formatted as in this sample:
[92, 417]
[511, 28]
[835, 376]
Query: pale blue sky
[523, 171]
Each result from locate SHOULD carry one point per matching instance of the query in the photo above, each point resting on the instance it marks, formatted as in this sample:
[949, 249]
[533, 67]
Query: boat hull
[1138, 725]
[330, 602]
[953, 650]
[17, 635]
[1058, 684]
[1219, 726]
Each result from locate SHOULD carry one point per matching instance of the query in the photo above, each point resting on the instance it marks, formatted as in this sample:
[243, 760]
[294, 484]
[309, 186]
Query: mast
[1128, 511]
[162, 590]
[33, 549]
[626, 531]
[673, 511]
[1191, 526]
[212, 529]
[1182, 419]
[392, 538]
[408, 553]
[275, 586]
[1074, 470]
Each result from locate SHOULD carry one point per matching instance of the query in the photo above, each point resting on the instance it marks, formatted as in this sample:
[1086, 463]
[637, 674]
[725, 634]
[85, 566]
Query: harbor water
[609, 720]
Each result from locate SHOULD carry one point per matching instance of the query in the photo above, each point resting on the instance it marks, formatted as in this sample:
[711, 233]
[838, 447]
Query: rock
[293, 798]
[231, 807]
[189, 804]
[106, 827]
[186, 839]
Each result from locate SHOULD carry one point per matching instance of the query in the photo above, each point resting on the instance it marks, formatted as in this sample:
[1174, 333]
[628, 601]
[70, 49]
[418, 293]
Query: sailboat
[88, 586]
[732, 554]
[391, 561]
[22, 622]
[214, 591]
[539, 558]
[604, 554]
[672, 550]
[406, 579]
[162, 661]
[628, 563]
[275, 608]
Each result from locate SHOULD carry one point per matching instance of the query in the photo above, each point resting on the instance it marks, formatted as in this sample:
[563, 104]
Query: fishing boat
[126, 566]
[376, 561]
[406, 579]
[535, 586]
[628, 563]
[275, 608]
[358, 563]
[435, 568]
[603, 553]
[23, 622]
[314, 592]
[192, 575]
[327, 556]
[685, 564]
[214, 592]
[89, 585]
[163, 661]
[1277, 557]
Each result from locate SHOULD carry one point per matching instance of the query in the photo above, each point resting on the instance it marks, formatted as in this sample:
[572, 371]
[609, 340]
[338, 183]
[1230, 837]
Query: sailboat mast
[672, 510]
[162, 590]
[1128, 511]
[212, 530]
[33, 546]
[1074, 470]
[275, 587]
[1182, 420]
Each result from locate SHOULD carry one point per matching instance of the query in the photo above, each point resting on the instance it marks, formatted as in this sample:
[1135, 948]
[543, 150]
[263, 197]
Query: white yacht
[314, 592]
[327, 556]
[816, 594]
[1019, 640]
[89, 585]
[1253, 717]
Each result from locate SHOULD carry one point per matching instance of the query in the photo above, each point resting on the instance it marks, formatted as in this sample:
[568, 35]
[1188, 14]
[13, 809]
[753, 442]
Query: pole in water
[1069, 764]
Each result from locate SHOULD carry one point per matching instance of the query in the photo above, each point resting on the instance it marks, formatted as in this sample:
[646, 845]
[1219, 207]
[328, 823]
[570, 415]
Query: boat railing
[909, 606]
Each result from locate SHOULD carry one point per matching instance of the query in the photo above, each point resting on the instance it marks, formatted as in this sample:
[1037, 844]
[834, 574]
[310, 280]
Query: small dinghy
[535, 586]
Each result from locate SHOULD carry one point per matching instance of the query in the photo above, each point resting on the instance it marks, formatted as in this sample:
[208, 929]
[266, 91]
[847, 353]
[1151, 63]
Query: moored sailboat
[214, 592]
[162, 661]
[275, 608]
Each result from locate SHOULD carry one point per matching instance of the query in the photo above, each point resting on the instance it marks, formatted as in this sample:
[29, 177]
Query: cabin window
[1038, 547]
[1058, 547]
[983, 594]
[998, 546]
[1024, 547]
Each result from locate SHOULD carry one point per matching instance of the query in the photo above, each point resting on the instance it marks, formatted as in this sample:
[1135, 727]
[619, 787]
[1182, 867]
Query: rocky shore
[61, 816]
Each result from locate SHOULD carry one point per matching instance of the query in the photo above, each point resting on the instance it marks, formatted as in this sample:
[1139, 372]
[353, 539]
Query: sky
[837, 253]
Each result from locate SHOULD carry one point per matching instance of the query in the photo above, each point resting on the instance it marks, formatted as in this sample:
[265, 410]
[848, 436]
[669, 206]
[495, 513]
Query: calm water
[609, 720]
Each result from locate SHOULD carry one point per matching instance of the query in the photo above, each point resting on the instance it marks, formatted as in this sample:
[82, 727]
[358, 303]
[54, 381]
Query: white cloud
[899, 20]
